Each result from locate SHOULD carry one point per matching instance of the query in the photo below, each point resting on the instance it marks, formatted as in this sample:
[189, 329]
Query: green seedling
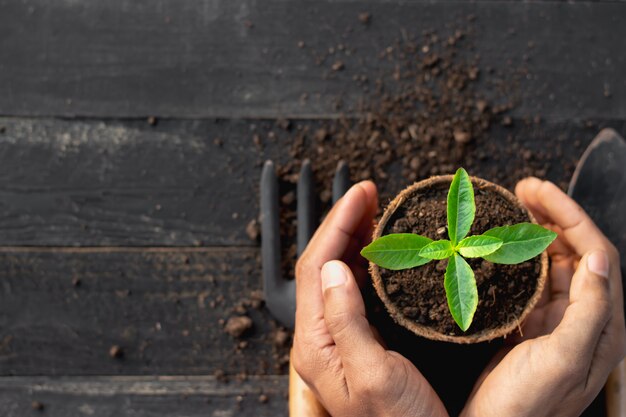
[502, 245]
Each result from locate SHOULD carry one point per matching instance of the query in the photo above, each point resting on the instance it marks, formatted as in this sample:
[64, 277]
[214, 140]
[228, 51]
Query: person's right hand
[334, 349]
[575, 335]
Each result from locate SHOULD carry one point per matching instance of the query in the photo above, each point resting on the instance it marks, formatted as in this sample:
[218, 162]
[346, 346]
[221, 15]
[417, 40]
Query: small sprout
[502, 245]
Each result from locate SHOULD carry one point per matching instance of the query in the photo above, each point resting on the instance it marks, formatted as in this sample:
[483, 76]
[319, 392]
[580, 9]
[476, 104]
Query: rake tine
[280, 295]
[341, 181]
[270, 230]
[306, 206]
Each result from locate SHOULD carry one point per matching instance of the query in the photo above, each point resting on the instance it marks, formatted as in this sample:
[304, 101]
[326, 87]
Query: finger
[561, 272]
[344, 314]
[525, 190]
[320, 368]
[555, 206]
[562, 258]
[342, 227]
[588, 312]
[612, 345]
[559, 247]
[369, 206]
[554, 300]
[581, 233]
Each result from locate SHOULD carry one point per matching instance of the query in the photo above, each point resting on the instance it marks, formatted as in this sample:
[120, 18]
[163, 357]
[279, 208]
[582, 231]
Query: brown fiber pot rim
[427, 332]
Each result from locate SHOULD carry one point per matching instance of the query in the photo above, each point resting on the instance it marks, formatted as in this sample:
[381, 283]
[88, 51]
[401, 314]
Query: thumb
[344, 314]
[589, 309]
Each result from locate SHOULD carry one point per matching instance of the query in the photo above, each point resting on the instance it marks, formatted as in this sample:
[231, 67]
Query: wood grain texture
[126, 183]
[143, 396]
[240, 59]
[163, 307]
[157, 305]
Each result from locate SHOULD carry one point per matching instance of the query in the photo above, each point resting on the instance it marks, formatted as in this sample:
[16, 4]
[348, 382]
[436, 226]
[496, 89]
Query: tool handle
[302, 401]
[615, 390]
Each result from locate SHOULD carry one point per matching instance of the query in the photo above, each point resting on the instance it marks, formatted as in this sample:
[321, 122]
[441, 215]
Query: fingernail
[598, 263]
[333, 275]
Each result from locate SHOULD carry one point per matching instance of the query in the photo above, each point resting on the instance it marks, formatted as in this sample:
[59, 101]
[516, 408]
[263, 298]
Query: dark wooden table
[150, 218]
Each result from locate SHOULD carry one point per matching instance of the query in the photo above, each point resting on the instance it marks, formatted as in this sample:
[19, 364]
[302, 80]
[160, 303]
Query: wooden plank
[127, 183]
[240, 59]
[90, 183]
[164, 308]
[143, 396]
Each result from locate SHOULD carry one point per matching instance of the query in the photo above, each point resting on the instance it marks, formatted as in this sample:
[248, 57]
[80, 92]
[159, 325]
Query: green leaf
[397, 251]
[461, 291]
[520, 242]
[440, 249]
[461, 207]
[478, 246]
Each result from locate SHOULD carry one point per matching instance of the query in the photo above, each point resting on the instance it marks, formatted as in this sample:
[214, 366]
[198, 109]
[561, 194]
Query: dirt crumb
[281, 337]
[253, 230]
[116, 352]
[237, 326]
[338, 66]
[220, 375]
[365, 18]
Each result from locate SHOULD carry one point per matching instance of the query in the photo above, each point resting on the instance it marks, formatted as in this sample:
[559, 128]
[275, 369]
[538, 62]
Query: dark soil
[503, 290]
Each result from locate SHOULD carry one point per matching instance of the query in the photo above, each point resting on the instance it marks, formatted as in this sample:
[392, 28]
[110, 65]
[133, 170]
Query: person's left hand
[575, 335]
[335, 351]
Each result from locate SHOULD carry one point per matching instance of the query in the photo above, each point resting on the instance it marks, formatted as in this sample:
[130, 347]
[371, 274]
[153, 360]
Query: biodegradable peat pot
[415, 297]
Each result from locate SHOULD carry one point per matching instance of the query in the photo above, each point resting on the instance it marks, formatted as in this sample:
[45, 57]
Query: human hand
[335, 351]
[575, 336]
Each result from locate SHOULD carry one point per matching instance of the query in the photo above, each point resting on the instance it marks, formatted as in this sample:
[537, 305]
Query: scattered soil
[220, 376]
[116, 352]
[426, 116]
[237, 326]
[503, 290]
[338, 66]
[365, 18]
[281, 338]
[428, 108]
[253, 230]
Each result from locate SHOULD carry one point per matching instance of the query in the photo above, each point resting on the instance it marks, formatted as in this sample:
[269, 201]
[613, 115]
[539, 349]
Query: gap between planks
[145, 385]
[125, 249]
